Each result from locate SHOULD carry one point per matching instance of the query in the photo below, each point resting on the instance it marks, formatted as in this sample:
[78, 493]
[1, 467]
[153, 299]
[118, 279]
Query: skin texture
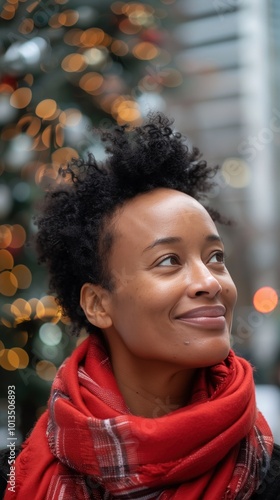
[167, 261]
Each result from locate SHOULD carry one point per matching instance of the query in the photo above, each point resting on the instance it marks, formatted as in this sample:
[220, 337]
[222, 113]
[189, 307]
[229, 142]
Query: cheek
[230, 293]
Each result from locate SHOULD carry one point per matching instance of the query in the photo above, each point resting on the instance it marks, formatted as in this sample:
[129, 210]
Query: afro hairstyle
[74, 235]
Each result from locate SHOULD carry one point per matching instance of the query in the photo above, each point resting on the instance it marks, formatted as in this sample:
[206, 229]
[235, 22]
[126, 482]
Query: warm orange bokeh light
[265, 299]
[18, 358]
[30, 124]
[21, 97]
[8, 12]
[117, 7]
[8, 283]
[6, 260]
[46, 370]
[18, 236]
[70, 117]
[92, 37]
[145, 51]
[73, 63]
[47, 308]
[119, 48]
[68, 17]
[20, 308]
[63, 155]
[128, 28]
[91, 82]
[23, 276]
[5, 236]
[46, 108]
[7, 363]
[26, 26]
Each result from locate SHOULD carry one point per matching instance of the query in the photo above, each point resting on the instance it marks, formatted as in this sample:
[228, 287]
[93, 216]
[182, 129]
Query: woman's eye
[218, 257]
[169, 261]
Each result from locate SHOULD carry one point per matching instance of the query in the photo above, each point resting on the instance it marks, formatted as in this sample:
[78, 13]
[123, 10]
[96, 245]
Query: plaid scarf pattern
[219, 446]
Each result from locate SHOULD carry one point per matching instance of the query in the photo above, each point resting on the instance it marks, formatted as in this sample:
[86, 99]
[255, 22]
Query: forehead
[161, 210]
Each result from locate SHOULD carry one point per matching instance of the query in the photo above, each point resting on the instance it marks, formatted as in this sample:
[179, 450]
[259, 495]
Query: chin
[219, 356]
[215, 355]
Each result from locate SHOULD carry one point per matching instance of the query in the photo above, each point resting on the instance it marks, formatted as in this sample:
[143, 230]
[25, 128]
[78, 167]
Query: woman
[153, 404]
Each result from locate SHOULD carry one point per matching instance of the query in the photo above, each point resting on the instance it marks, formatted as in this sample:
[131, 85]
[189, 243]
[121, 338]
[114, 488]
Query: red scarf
[88, 445]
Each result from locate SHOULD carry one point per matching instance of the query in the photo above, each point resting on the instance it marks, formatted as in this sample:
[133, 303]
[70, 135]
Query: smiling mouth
[212, 318]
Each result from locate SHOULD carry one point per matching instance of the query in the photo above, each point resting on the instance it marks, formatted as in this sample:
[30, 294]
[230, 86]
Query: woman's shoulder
[270, 488]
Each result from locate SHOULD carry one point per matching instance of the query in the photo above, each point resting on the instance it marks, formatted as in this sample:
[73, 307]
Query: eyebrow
[177, 239]
[214, 237]
[163, 241]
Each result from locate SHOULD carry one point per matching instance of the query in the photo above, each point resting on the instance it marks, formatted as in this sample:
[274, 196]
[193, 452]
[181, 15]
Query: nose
[201, 281]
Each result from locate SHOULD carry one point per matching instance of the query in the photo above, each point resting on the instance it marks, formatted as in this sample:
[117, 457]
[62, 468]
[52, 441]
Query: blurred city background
[68, 66]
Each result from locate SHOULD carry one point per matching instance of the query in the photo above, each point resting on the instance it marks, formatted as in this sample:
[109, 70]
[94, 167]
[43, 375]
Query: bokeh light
[18, 357]
[46, 109]
[265, 299]
[64, 155]
[6, 260]
[48, 309]
[30, 124]
[50, 334]
[26, 26]
[7, 362]
[91, 82]
[5, 236]
[145, 51]
[70, 117]
[18, 236]
[74, 63]
[236, 172]
[13, 359]
[8, 283]
[21, 97]
[23, 276]
[46, 370]
[92, 37]
[21, 309]
[119, 48]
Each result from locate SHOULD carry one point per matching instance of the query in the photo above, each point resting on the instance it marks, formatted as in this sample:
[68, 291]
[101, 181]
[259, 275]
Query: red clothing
[88, 444]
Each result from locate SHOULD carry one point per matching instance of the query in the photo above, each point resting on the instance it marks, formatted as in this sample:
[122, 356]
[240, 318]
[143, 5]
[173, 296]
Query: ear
[94, 301]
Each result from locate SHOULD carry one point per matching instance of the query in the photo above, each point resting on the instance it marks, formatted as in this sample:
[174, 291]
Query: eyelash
[219, 255]
[169, 257]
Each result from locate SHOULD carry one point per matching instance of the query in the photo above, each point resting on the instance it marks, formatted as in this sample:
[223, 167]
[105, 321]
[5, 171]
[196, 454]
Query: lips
[206, 316]
[209, 311]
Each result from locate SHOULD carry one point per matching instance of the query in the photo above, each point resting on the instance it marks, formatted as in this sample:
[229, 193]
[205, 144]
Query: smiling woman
[154, 404]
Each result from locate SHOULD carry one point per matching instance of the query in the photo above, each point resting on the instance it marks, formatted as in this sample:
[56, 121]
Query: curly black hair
[74, 235]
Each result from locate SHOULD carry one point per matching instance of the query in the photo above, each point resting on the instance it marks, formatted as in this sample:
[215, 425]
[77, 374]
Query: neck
[149, 389]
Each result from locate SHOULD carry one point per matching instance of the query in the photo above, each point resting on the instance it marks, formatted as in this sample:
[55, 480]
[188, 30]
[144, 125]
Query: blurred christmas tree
[65, 67]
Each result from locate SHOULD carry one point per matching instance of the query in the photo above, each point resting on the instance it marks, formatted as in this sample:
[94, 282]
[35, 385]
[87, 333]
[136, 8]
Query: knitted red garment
[89, 446]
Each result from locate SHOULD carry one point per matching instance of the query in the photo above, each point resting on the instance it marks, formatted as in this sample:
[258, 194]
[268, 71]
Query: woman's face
[173, 298]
